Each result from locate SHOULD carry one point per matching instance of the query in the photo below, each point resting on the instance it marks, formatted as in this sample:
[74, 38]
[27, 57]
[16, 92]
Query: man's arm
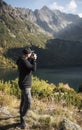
[29, 65]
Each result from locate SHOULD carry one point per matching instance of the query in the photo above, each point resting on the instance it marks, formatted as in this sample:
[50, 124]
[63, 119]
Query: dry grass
[44, 114]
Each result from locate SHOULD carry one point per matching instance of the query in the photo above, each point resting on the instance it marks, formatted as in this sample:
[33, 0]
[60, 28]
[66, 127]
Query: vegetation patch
[50, 104]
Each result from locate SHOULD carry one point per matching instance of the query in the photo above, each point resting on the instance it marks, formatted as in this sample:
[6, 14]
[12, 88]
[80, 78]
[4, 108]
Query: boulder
[66, 124]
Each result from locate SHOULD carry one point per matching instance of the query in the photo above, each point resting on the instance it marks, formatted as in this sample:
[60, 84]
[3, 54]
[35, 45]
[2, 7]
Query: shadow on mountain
[57, 53]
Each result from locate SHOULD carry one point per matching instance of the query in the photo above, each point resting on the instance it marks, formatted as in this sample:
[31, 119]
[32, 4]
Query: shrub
[10, 87]
[41, 88]
[67, 94]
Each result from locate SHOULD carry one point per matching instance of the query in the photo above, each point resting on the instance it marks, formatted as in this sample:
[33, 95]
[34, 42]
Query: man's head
[27, 52]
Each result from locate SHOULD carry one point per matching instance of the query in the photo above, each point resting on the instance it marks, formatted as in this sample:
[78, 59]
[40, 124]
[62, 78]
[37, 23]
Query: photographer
[26, 64]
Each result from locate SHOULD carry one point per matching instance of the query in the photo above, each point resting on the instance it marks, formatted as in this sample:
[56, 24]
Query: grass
[44, 114]
[50, 105]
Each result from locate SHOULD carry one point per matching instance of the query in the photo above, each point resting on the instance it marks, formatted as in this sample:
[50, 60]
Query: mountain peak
[45, 8]
[2, 3]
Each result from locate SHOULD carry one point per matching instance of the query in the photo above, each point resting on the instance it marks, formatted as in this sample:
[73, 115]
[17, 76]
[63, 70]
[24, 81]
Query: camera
[33, 55]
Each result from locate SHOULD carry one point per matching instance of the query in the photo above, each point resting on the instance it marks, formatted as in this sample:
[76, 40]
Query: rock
[68, 125]
[4, 110]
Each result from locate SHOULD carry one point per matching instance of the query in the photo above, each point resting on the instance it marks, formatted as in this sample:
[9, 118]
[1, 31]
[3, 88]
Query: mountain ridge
[51, 22]
[22, 27]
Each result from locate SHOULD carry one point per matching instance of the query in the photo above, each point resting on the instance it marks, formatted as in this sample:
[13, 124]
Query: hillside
[59, 53]
[56, 108]
[73, 31]
[16, 31]
[20, 27]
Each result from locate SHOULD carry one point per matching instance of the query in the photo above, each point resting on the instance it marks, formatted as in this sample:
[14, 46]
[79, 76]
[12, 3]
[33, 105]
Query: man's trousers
[25, 103]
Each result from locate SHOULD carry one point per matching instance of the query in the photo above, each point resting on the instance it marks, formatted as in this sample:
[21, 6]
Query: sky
[67, 6]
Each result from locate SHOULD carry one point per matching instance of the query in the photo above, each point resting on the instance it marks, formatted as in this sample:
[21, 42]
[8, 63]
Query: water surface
[72, 76]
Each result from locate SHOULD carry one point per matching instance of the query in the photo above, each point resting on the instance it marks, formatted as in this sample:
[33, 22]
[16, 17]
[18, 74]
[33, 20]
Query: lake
[72, 76]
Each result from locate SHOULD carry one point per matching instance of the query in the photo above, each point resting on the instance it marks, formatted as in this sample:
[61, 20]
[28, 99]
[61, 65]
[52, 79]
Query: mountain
[60, 53]
[20, 27]
[72, 32]
[16, 21]
[52, 22]
[16, 29]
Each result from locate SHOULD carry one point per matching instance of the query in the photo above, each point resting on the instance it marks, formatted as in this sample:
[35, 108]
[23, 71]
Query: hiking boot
[23, 126]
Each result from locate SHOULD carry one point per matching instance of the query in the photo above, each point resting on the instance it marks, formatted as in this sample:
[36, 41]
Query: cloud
[55, 6]
[80, 15]
[70, 7]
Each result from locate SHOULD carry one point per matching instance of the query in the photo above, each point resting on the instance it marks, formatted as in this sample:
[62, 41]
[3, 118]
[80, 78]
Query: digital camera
[33, 55]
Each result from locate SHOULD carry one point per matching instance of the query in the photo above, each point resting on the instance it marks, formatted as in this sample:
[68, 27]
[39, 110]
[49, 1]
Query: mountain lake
[71, 76]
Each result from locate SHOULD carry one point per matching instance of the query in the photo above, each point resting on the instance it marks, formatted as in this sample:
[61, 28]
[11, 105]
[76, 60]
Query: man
[26, 64]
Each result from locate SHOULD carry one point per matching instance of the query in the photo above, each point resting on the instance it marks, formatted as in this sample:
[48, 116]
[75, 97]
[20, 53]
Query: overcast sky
[67, 6]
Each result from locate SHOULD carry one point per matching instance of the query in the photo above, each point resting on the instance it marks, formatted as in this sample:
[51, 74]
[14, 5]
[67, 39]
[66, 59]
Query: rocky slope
[72, 32]
[52, 22]
[15, 30]
[20, 27]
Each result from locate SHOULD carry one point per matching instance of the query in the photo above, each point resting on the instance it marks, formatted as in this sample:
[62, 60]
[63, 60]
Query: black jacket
[25, 67]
